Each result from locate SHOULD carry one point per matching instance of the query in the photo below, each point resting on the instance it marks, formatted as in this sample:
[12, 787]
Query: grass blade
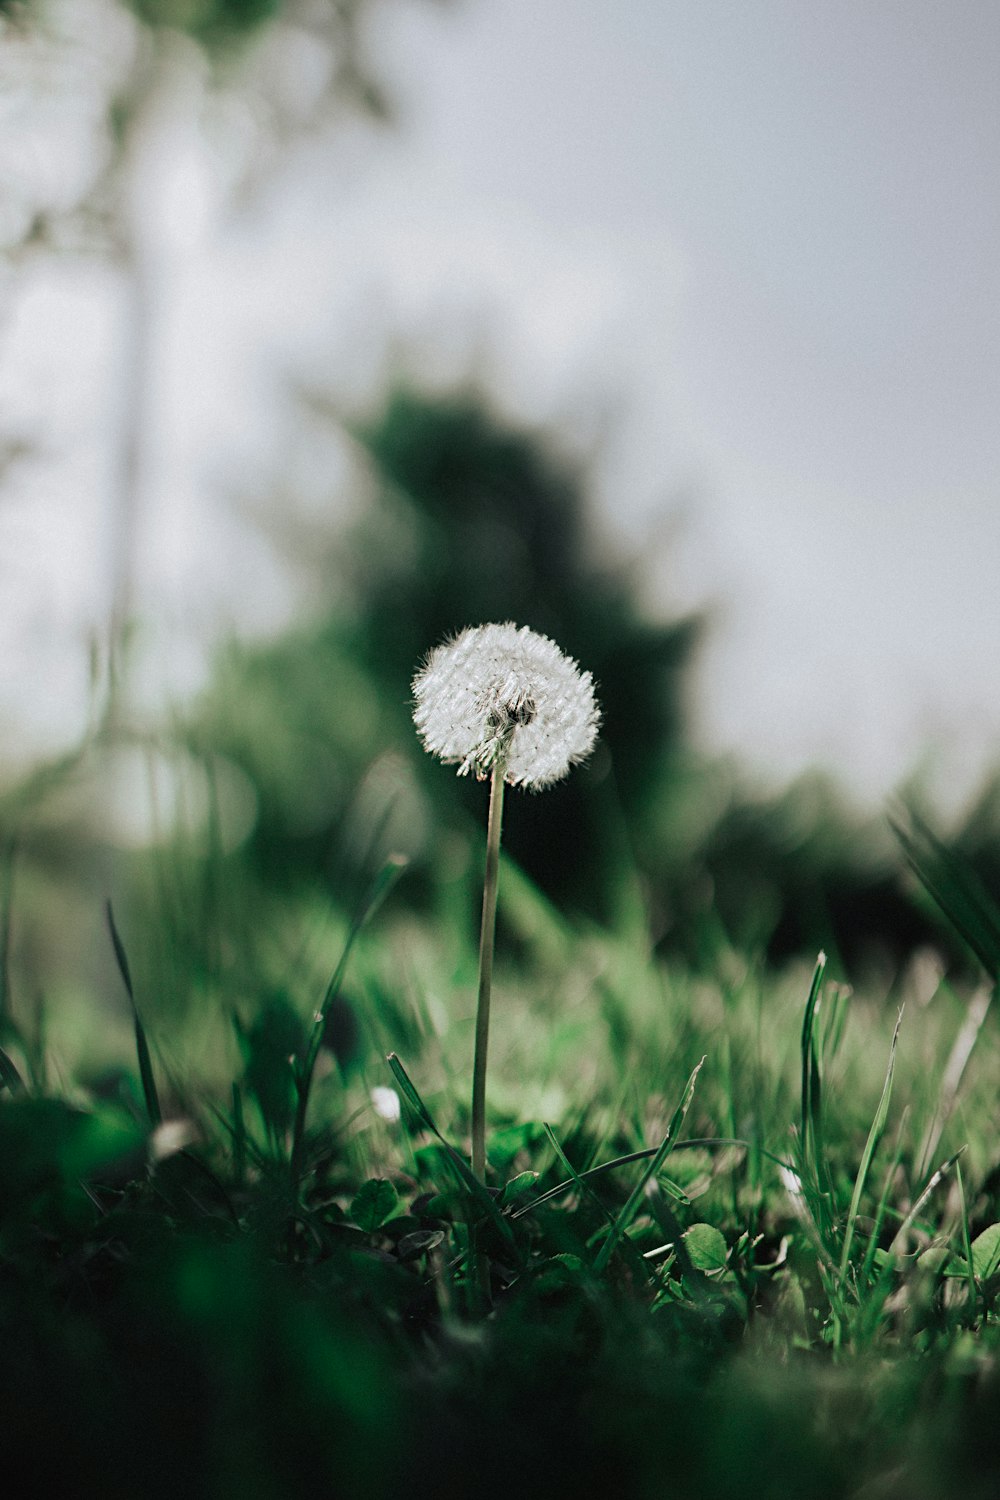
[7, 860]
[153, 1111]
[374, 896]
[468, 1179]
[671, 1187]
[954, 1072]
[811, 1073]
[911, 1217]
[874, 1136]
[239, 1136]
[966, 1242]
[883, 1203]
[955, 888]
[584, 1189]
[10, 1078]
[631, 1207]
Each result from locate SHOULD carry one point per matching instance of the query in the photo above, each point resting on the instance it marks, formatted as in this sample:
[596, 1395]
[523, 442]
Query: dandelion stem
[486, 936]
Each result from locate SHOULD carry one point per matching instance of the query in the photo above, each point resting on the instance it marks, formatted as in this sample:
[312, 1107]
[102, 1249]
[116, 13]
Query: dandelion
[507, 704]
[499, 695]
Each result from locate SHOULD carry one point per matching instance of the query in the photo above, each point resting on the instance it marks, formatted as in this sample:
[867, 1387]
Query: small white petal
[169, 1137]
[499, 694]
[386, 1103]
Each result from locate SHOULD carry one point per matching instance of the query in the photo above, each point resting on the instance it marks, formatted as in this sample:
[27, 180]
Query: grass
[738, 1235]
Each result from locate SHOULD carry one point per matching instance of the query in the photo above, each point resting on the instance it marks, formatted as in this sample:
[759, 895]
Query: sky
[747, 252]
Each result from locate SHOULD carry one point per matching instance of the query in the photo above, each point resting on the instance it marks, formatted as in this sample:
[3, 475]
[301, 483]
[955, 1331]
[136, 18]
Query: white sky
[765, 235]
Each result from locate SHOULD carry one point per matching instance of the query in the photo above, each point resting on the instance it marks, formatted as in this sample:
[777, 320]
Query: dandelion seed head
[497, 694]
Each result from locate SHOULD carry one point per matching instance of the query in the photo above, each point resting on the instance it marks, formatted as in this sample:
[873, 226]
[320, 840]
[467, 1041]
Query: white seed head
[499, 695]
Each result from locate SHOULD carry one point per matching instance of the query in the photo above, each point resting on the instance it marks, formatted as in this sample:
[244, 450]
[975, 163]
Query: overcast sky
[763, 234]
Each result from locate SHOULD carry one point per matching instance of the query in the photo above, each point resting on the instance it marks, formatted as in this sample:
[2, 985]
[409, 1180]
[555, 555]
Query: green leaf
[46, 1144]
[571, 1263]
[505, 1143]
[986, 1253]
[517, 1187]
[706, 1247]
[419, 1243]
[557, 1272]
[373, 1203]
[939, 1260]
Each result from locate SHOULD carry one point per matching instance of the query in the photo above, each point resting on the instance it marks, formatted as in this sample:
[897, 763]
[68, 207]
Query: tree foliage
[208, 20]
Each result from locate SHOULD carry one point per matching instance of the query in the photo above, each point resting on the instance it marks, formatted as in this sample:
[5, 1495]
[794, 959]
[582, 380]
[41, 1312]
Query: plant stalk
[486, 936]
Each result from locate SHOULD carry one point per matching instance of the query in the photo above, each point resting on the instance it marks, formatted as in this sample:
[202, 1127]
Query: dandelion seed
[506, 704]
[496, 695]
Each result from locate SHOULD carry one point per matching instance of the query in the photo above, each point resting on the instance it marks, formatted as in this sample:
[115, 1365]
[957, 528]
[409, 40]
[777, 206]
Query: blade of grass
[838, 998]
[7, 860]
[955, 888]
[672, 1188]
[10, 1078]
[874, 1136]
[951, 1080]
[251, 1147]
[911, 1218]
[584, 1189]
[374, 896]
[239, 1136]
[469, 1181]
[811, 1074]
[966, 1242]
[813, 1171]
[801, 1206]
[883, 1204]
[477, 1281]
[631, 1207]
[36, 1055]
[152, 1100]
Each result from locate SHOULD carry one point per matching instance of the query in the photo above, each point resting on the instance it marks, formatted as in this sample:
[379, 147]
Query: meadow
[737, 1234]
[720, 1218]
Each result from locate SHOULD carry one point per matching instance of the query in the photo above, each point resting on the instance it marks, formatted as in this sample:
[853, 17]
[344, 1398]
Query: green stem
[486, 936]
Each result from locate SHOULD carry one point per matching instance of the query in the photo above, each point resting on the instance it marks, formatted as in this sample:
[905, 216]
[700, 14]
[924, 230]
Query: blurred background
[328, 327]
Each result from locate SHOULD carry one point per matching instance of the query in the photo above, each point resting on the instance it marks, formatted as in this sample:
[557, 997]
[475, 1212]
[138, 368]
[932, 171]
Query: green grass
[739, 1234]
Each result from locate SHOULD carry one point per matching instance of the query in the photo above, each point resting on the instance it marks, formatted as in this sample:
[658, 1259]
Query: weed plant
[737, 1232]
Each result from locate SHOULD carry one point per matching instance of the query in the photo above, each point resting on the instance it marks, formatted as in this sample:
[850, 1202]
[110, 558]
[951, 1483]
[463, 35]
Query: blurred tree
[474, 520]
[504, 521]
[790, 874]
[208, 20]
[496, 528]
